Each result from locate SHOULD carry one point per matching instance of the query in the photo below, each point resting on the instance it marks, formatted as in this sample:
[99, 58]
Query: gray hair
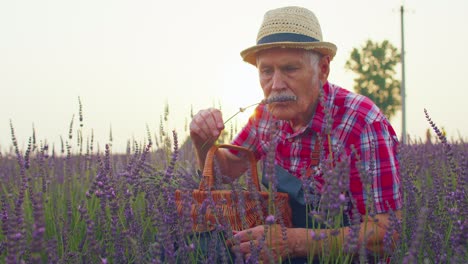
[314, 58]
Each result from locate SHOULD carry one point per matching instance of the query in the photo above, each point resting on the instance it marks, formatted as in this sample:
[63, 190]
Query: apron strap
[290, 184]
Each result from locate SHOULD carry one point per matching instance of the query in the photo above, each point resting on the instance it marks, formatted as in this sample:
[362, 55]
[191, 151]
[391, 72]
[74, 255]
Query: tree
[375, 65]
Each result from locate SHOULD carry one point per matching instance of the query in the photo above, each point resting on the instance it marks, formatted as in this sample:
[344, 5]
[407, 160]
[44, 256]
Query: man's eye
[291, 69]
[266, 71]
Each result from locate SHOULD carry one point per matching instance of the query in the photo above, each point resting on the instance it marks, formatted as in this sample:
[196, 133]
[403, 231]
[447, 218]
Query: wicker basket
[225, 207]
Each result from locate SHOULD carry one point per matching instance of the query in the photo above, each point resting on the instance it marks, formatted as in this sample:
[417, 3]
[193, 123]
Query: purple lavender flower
[418, 236]
[37, 244]
[323, 235]
[270, 219]
[353, 236]
[313, 235]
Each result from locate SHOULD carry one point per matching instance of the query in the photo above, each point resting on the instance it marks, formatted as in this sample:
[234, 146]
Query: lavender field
[75, 203]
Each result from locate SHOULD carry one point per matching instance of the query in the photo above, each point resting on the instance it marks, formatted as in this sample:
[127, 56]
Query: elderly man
[293, 65]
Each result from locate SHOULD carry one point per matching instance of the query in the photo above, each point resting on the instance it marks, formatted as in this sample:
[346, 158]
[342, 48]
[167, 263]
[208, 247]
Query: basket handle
[207, 181]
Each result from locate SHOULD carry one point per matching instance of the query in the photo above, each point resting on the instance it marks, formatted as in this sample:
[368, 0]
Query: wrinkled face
[290, 72]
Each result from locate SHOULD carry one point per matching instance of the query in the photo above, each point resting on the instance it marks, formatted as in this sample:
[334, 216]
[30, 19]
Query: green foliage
[374, 65]
[119, 208]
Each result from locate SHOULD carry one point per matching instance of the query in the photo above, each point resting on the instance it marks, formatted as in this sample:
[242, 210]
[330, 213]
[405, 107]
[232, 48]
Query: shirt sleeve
[380, 173]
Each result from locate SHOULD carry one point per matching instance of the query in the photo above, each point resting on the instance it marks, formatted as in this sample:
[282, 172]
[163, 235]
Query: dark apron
[288, 183]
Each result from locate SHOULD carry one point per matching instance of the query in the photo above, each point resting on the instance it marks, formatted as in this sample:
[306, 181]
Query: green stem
[242, 109]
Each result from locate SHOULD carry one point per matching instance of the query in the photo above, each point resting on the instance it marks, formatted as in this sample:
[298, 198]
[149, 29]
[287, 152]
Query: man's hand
[205, 128]
[276, 243]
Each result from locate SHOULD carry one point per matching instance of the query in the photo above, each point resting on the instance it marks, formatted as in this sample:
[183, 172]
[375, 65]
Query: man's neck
[303, 120]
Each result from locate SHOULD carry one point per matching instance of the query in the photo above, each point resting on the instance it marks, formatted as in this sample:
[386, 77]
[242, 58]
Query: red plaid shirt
[355, 121]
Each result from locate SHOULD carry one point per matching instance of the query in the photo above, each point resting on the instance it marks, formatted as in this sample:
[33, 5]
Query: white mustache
[279, 98]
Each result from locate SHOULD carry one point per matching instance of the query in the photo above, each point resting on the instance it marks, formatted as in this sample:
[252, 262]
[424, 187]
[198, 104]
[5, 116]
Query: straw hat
[289, 27]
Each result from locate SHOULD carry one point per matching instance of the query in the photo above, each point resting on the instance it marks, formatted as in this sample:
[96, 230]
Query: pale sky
[127, 59]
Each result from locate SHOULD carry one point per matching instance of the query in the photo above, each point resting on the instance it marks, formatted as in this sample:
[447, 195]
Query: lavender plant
[75, 206]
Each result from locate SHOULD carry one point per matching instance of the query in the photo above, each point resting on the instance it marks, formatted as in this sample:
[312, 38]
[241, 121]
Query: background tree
[374, 65]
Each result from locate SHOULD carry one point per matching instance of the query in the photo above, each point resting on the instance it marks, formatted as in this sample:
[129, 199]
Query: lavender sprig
[273, 99]
[265, 101]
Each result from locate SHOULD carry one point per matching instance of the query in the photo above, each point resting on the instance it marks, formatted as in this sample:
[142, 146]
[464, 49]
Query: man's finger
[204, 124]
[218, 119]
[212, 118]
[197, 133]
[245, 247]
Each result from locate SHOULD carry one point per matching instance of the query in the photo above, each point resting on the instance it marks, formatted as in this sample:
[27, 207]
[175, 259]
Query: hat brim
[326, 48]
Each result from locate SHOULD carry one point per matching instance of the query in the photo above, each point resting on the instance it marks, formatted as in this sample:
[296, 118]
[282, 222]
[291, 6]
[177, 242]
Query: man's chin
[281, 113]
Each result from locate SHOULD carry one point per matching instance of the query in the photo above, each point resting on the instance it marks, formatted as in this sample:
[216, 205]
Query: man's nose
[278, 81]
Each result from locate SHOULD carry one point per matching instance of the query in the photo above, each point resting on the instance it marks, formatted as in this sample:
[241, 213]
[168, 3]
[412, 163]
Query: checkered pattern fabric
[350, 121]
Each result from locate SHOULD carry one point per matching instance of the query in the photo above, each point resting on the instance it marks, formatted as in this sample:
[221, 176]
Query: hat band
[286, 37]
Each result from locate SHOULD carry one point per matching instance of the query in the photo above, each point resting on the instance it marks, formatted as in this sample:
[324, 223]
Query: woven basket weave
[225, 206]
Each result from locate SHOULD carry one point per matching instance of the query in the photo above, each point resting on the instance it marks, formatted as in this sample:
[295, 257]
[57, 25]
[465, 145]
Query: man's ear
[324, 68]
